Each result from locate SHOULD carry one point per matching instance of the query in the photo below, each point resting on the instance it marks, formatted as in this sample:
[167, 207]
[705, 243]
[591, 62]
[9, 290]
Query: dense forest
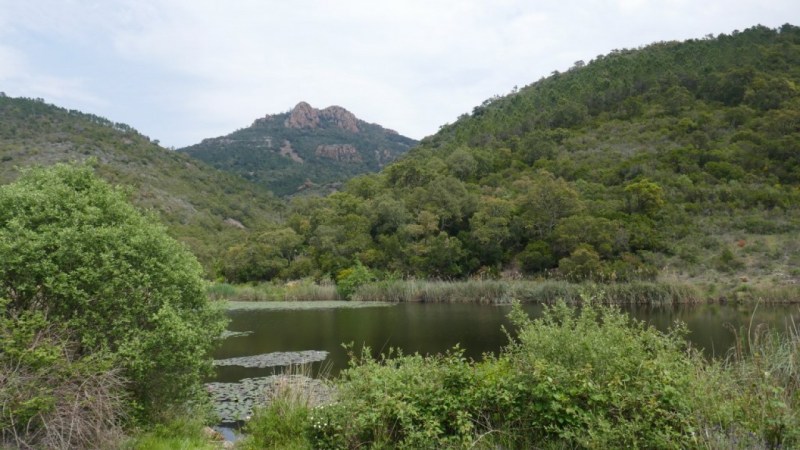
[676, 159]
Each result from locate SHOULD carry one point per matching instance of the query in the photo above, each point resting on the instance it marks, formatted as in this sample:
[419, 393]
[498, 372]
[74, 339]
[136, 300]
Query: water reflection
[432, 328]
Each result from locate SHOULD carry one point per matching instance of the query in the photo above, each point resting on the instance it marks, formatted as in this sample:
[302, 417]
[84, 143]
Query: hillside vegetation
[675, 160]
[304, 150]
[191, 198]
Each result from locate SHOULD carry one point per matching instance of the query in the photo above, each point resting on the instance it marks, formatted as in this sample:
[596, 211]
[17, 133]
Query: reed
[526, 291]
[302, 290]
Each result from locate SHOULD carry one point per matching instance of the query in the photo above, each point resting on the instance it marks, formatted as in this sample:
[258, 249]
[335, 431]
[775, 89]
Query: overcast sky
[181, 71]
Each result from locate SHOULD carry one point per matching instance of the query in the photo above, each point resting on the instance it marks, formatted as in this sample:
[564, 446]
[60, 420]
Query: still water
[434, 328]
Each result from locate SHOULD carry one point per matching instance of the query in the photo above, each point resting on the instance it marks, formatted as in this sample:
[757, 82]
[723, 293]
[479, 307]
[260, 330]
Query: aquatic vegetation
[274, 359]
[229, 334]
[234, 402]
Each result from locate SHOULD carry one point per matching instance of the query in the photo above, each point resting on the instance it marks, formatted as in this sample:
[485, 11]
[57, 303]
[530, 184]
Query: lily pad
[229, 334]
[274, 359]
[234, 402]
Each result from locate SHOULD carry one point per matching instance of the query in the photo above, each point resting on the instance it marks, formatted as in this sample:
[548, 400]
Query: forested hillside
[303, 150]
[678, 159]
[200, 205]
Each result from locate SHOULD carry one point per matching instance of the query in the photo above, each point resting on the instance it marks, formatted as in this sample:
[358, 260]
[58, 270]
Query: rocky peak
[305, 116]
[341, 117]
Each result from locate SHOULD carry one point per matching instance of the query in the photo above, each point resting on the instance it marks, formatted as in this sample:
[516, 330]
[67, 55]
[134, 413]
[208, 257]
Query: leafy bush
[74, 249]
[348, 280]
[597, 379]
[590, 378]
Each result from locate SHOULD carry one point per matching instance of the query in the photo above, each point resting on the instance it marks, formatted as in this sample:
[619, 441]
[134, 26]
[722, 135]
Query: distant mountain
[306, 148]
[201, 206]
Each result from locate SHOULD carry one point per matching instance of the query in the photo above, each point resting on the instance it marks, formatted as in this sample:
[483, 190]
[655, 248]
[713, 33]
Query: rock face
[341, 118]
[305, 116]
[339, 152]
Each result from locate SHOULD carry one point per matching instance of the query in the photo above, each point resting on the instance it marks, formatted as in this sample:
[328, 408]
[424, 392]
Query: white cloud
[183, 70]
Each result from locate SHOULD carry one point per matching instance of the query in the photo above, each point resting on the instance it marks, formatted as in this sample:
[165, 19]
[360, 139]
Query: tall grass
[302, 290]
[526, 291]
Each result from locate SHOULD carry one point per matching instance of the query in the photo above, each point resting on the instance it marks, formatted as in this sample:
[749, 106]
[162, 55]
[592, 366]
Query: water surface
[434, 328]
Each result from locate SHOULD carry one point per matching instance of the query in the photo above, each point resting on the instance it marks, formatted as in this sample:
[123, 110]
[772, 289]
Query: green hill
[678, 159]
[200, 205]
[304, 149]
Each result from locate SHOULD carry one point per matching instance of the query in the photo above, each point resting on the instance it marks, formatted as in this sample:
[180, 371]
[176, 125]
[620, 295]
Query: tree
[644, 196]
[542, 202]
[489, 229]
[73, 248]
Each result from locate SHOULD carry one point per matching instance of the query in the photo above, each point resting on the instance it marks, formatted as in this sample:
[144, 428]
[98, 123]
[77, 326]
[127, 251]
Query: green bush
[590, 379]
[596, 379]
[73, 248]
[348, 280]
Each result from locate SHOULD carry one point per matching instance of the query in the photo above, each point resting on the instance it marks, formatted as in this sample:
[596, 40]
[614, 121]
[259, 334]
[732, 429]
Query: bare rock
[339, 152]
[303, 116]
[234, 223]
[289, 152]
[341, 117]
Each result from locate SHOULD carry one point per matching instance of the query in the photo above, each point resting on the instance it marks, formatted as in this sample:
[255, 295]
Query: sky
[180, 71]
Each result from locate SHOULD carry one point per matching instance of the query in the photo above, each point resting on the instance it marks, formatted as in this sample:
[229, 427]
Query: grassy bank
[526, 291]
[504, 291]
[588, 378]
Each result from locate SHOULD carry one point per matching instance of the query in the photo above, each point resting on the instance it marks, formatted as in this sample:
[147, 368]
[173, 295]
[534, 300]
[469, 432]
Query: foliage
[596, 379]
[348, 280]
[74, 249]
[617, 170]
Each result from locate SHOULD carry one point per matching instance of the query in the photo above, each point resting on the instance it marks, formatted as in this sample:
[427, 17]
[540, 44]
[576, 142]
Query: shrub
[74, 249]
[590, 378]
[49, 398]
[596, 379]
[348, 280]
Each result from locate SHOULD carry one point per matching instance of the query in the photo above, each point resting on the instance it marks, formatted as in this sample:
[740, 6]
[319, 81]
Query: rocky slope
[304, 149]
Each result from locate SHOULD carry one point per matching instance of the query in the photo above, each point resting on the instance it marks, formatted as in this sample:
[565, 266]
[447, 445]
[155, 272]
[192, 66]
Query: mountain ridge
[305, 147]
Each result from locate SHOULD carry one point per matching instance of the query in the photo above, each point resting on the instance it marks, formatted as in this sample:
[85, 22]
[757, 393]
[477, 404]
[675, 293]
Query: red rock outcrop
[305, 116]
[341, 117]
[339, 152]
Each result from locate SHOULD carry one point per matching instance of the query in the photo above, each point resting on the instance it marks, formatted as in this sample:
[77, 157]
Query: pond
[434, 328]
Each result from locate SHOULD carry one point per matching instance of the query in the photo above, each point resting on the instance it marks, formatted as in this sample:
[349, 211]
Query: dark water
[433, 328]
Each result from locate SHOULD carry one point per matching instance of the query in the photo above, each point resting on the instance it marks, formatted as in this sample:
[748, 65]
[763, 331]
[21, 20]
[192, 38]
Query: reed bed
[265, 292]
[526, 291]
